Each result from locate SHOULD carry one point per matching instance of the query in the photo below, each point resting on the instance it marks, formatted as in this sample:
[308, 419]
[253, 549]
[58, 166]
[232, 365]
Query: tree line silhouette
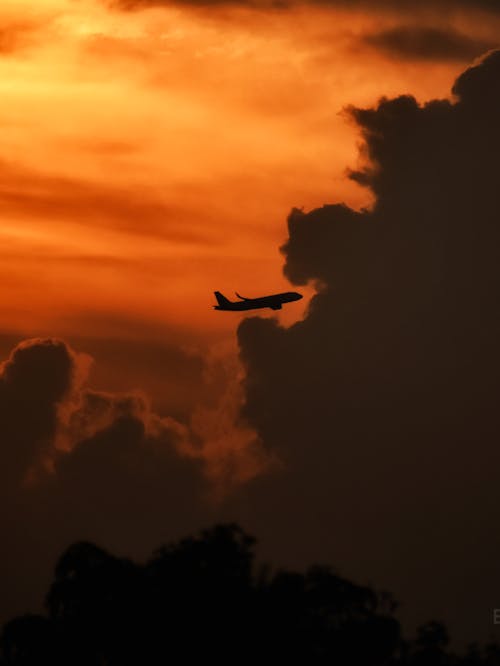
[204, 598]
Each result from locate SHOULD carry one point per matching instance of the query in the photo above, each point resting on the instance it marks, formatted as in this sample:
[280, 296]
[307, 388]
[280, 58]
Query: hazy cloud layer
[414, 42]
[16, 35]
[384, 400]
[26, 193]
[366, 5]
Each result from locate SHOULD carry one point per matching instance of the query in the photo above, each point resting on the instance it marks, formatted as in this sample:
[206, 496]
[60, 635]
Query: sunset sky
[149, 157]
[151, 153]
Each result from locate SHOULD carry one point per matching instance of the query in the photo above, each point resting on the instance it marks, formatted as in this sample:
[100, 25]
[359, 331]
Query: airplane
[275, 301]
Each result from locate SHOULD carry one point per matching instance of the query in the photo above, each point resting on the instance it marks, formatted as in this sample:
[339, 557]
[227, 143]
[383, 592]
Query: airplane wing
[278, 306]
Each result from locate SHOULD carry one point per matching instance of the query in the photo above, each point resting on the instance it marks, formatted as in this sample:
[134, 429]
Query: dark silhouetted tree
[202, 599]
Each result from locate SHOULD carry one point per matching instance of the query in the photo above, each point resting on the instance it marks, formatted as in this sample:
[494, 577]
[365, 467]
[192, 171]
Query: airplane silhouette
[275, 301]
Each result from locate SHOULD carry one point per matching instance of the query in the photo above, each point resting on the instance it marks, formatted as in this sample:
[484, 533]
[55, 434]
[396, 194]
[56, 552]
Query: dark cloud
[174, 377]
[422, 43]
[124, 483]
[383, 402]
[402, 6]
[412, 5]
[33, 381]
[76, 461]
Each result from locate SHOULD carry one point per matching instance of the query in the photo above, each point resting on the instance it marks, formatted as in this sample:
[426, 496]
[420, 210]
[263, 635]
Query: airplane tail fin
[221, 299]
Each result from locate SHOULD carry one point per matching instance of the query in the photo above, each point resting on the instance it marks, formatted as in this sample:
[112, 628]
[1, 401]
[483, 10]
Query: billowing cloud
[232, 452]
[383, 401]
[147, 159]
[417, 42]
[49, 415]
[34, 381]
[153, 361]
[132, 468]
[76, 461]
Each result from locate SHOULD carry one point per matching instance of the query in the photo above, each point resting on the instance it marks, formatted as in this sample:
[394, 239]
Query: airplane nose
[298, 296]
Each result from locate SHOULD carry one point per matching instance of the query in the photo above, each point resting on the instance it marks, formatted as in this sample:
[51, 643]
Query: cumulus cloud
[55, 428]
[383, 401]
[83, 463]
[34, 381]
[47, 410]
[53, 421]
[127, 477]
[232, 452]
[153, 359]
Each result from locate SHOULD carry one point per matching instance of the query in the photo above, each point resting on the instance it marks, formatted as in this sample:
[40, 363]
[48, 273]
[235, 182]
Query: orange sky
[148, 158]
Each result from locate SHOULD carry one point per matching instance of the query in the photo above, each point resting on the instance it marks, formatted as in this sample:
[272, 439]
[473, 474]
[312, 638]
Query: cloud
[48, 413]
[132, 5]
[47, 380]
[16, 35]
[76, 462]
[26, 193]
[366, 5]
[152, 359]
[34, 381]
[232, 452]
[127, 468]
[411, 5]
[383, 401]
[422, 43]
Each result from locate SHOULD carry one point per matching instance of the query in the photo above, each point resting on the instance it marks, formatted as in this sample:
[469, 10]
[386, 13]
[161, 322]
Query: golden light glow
[148, 158]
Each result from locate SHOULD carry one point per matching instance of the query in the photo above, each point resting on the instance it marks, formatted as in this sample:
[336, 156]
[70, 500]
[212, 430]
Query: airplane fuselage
[274, 301]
